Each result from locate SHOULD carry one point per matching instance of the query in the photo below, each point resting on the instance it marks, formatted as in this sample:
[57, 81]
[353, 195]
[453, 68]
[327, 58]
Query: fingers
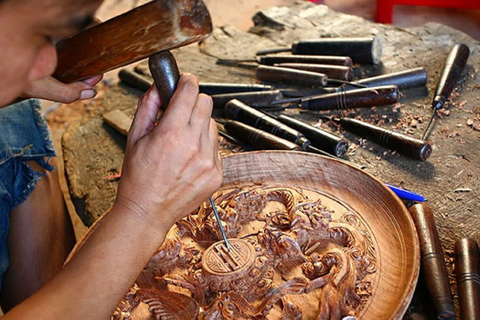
[146, 115]
[201, 114]
[52, 89]
[213, 137]
[183, 101]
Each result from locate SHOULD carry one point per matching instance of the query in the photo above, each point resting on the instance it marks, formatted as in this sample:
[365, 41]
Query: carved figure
[292, 257]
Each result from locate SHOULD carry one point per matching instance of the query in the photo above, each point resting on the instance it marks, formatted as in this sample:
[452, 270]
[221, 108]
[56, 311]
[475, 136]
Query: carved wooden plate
[311, 238]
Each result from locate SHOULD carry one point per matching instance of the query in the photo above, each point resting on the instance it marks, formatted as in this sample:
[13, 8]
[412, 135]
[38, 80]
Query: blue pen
[406, 194]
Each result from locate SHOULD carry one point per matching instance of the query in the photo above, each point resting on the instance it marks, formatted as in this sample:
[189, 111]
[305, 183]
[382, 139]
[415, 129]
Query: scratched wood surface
[449, 179]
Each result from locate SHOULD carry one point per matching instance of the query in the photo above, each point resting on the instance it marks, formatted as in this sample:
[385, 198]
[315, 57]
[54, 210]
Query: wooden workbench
[449, 179]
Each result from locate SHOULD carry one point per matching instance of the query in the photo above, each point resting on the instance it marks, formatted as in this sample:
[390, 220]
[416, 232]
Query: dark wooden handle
[237, 110]
[404, 144]
[366, 50]
[164, 70]
[467, 268]
[295, 58]
[292, 76]
[332, 72]
[433, 262]
[257, 138]
[358, 98]
[453, 68]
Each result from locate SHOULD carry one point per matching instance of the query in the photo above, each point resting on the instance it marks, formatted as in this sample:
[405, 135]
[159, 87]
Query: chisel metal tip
[214, 208]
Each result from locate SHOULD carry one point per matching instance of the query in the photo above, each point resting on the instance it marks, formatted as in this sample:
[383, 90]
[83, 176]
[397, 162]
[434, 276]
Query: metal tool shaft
[219, 223]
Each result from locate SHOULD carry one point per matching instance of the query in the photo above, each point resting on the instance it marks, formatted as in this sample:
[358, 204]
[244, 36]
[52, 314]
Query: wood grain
[132, 36]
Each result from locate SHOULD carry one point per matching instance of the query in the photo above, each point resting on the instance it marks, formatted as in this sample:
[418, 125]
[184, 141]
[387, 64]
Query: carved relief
[296, 254]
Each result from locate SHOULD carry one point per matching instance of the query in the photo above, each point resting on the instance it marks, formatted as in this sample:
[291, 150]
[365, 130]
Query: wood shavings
[454, 134]
[444, 130]
[397, 106]
[459, 190]
[443, 112]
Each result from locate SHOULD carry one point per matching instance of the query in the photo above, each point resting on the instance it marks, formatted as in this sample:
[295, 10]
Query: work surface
[449, 179]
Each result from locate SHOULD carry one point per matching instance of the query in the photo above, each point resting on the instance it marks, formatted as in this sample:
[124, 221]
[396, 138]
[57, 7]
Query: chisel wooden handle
[292, 76]
[319, 138]
[404, 144]
[137, 34]
[164, 70]
[259, 139]
[358, 98]
[433, 262]
[237, 110]
[295, 58]
[467, 268]
[332, 72]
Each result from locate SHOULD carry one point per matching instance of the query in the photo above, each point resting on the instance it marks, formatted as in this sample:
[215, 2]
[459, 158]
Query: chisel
[164, 70]
[453, 68]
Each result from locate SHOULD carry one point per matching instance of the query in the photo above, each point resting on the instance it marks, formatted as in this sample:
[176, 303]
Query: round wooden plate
[395, 239]
[359, 206]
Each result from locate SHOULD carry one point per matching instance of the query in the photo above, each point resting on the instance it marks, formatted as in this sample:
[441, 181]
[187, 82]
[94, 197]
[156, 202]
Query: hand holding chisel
[165, 72]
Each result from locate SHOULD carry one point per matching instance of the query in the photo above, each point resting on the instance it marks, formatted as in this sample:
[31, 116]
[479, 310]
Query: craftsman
[168, 170]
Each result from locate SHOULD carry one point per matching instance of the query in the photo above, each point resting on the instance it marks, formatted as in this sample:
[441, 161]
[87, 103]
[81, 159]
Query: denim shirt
[24, 136]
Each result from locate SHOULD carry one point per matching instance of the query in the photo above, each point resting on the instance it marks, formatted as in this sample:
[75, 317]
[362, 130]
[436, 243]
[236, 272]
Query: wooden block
[118, 120]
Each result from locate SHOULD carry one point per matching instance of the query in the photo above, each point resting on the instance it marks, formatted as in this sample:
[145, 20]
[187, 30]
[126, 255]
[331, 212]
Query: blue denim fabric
[24, 137]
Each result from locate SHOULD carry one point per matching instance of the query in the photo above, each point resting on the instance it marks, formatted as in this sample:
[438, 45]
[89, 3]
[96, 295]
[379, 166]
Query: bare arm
[168, 171]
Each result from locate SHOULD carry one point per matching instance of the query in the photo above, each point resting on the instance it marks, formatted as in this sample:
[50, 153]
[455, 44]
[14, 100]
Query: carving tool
[358, 98]
[134, 35]
[319, 138]
[253, 98]
[363, 50]
[415, 148]
[409, 78]
[433, 262]
[277, 58]
[259, 139]
[214, 208]
[212, 88]
[291, 76]
[405, 79]
[452, 69]
[331, 71]
[467, 269]
[143, 83]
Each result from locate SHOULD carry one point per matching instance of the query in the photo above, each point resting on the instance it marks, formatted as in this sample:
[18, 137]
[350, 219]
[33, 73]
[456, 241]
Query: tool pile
[318, 76]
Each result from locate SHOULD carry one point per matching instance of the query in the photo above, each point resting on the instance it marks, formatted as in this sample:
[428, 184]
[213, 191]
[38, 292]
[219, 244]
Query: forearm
[108, 263]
